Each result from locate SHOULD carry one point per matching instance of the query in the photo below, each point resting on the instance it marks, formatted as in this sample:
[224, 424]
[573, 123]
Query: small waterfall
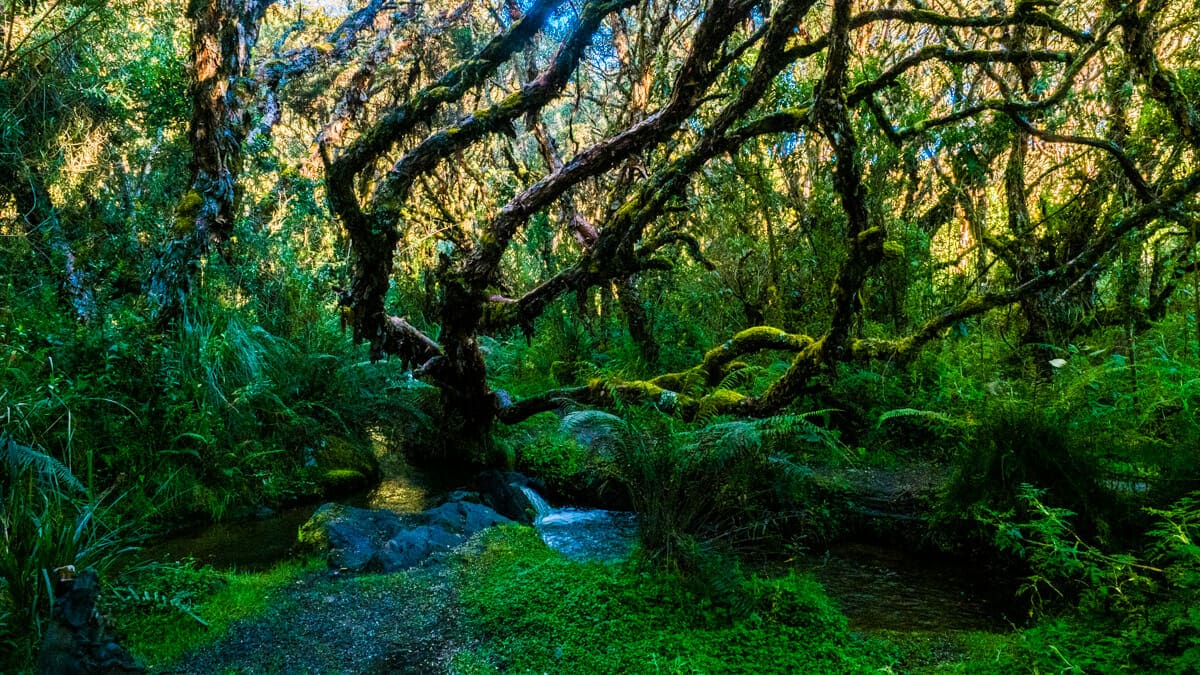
[541, 507]
[584, 534]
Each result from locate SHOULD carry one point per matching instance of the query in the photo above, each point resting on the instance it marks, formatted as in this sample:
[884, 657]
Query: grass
[188, 606]
[540, 612]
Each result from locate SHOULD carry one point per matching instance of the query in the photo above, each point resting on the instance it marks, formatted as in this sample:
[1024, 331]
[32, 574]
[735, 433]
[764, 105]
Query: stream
[585, 534]
[885, 588]
[877, 587]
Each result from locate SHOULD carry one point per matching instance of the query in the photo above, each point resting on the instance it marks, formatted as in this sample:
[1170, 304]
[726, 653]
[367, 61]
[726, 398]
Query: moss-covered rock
[338, 455]
[343, 480]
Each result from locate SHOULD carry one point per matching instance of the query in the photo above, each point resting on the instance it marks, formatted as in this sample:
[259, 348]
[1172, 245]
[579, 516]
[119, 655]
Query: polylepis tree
[39, 96]
[410, 126]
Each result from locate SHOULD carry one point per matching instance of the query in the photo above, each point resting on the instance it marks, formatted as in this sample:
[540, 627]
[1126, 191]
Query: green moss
[186, 210]
[549, 614]
[685, 382]
[761, 334]
[719, 402]
[672, 381]
[337, 455]
[343, 480]
[312, 533]
[639, 390]
[893, 250]
[189, 203]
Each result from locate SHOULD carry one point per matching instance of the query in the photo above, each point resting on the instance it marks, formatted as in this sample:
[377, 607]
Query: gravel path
[407, 622]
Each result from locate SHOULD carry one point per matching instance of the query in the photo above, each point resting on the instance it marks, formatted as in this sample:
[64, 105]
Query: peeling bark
[224, 34]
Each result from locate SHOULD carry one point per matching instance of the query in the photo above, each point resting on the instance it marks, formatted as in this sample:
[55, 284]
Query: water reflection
[880, 588]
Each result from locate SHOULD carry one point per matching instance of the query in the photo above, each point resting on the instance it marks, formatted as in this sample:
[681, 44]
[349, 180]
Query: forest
[846, 336]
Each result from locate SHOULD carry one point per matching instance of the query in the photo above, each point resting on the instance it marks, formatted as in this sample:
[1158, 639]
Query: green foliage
[1136, 610]
[729, 482]
[548, 614]
[160, 591]
[1058, 556]
[48, 520]
[1013, 445]
[166, 609]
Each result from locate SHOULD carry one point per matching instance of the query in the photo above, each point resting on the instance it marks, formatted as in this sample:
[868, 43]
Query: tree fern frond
[724, 441]
[740, 378]
[790, 427]
[596, 429]
[789, 468]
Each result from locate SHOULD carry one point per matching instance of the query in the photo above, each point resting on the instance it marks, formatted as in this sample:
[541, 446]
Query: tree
[224, 35]
[974, 85]
[38, 98]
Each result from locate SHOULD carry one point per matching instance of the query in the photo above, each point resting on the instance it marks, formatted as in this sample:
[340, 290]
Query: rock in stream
[377, 540]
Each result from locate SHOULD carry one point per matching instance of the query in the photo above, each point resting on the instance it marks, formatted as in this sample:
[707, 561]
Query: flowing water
[585, 534]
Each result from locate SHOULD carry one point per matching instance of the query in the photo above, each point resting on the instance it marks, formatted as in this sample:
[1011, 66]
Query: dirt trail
[407, 622]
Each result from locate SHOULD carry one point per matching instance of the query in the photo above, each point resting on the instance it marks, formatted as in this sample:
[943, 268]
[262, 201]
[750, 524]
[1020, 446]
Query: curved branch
[384, 135]
[498, 118]
[1143, 189]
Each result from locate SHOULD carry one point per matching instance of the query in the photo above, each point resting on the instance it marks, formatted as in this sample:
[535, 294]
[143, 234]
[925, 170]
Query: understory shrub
[49, 520]
[1133, 611]
[728, 484]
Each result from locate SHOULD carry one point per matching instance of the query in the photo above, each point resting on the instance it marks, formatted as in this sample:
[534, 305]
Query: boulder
[352, 537]
[411, 547]
[502, 491]
[463, 518]
[381, 540]
[76, 642]
[341, 466]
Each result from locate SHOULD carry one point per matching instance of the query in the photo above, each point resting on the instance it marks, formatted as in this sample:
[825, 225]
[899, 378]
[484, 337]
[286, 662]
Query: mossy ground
[507, 603]
[541, 612]
[164, 610]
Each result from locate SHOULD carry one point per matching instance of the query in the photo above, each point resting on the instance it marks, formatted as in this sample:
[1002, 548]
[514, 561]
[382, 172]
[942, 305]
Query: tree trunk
[44, 228]
[224, 34]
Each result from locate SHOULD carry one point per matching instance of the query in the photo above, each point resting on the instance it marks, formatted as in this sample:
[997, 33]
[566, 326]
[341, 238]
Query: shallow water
[584, 534]
[259, 544]
[246, 545]
[880, 588]
[589, 534]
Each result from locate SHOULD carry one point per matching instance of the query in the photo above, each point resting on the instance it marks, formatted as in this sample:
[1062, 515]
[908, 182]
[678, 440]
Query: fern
[605, 433]
[740, 378]
[155, 601]
[924, 414]
[18, 459]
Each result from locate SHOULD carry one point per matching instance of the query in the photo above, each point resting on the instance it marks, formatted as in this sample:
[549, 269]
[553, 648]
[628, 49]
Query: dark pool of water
[245, 545]
[258, 544]
[881, 588]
